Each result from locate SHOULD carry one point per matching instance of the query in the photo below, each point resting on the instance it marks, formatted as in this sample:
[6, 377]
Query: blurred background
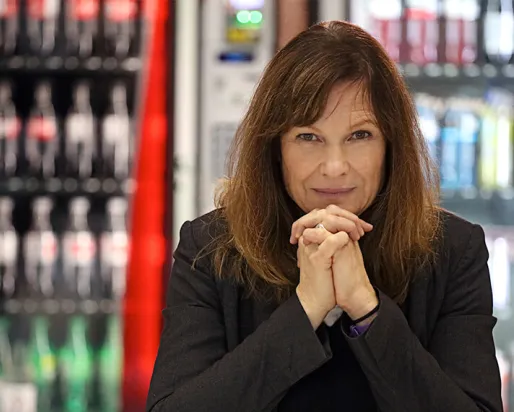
[115, 119]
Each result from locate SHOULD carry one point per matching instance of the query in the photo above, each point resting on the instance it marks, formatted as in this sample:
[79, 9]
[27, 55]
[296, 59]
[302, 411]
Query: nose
[335, 162]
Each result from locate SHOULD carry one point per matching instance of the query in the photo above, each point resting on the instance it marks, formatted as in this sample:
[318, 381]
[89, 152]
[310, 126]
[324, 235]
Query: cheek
[296, 167]
[372, 168]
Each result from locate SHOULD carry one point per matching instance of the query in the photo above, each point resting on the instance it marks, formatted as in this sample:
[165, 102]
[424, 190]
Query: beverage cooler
[458, 59]
[82, 111]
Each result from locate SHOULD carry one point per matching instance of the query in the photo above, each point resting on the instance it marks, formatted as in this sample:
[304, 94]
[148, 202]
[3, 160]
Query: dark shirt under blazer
[223, 352]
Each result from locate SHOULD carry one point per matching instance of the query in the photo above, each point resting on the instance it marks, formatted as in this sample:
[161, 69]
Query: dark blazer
[222, 352]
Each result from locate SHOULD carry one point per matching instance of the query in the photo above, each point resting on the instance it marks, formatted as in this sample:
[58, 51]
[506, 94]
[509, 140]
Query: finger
[321, 215]
[335, 224]
[316, 235]
[298, 226]
[336, 210]
[330, 246]
[332, 224]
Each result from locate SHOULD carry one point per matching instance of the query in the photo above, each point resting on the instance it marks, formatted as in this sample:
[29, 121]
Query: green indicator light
[256, 17]
[243, 16]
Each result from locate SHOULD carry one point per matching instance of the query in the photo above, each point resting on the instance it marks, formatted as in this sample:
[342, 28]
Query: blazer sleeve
[458, 371]
[194, 372]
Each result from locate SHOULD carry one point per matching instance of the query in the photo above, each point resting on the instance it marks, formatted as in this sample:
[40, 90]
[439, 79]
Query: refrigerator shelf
[486, 207]
[55, 306]
[56, 64]
[15, 186]
[470, 72]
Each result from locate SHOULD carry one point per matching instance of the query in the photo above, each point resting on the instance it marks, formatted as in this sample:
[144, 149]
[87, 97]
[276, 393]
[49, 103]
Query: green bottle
[43, 359]
[5, 349]
[75, 360]
[110, 359]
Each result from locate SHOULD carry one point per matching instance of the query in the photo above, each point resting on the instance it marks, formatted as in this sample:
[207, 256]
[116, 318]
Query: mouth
[334, 191]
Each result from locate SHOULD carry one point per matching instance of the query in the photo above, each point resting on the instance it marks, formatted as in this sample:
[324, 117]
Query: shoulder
[458, 237]
[205, 229]
[199, 236]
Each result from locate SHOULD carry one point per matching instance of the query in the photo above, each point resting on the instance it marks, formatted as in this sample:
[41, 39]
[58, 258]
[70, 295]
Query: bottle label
[10, 128]
[84, 9]
[42, 128]
[48, 248]
[116, 129]
[82, 248]
[43, 9]
[80, 128]
[120, 10]
[115, 247]
[8, 8]
[8, 248]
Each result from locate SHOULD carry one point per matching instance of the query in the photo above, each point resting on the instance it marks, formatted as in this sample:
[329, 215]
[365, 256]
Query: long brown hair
[253, 203]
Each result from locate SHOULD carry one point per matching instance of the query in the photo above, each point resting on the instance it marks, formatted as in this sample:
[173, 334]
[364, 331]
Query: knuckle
[341, 237]
[332, 208]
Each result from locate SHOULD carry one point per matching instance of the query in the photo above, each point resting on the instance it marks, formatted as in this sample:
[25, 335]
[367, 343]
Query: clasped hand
[331, 265]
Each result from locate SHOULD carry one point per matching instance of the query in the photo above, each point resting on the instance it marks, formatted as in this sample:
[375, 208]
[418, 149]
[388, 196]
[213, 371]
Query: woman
[329, 279]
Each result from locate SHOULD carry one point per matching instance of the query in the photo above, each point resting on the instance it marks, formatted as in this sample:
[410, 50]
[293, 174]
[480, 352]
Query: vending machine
[238, 40]
[80, 117]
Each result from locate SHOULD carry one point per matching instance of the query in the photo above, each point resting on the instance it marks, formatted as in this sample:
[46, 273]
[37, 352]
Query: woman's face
[337, 160]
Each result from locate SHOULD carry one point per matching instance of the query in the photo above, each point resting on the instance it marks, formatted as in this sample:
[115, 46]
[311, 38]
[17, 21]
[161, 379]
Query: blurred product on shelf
[9, 26]
[116, 135]
[8, 248]
[80, 132]
[460, 32]
[499, 31]
[79, 252]
[120, 26]
[81, 23]
[386, 25]
[114, 249]
[68, 80]
[42, 133]
[471, 140]
[41, 252]
[10, 128]
[42, 22]
[59, 323]
[81, 154]
[73, 28]
[460, 19]
[422, 23]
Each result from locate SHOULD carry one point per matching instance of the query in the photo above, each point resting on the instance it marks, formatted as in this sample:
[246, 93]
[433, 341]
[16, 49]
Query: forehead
[348, 99]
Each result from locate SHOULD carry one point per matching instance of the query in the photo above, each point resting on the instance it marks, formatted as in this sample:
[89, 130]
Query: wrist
[314, 312]
[362, 303]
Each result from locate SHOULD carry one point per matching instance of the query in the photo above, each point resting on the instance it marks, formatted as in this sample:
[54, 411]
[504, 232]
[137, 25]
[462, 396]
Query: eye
[360, 135]
[307, 137]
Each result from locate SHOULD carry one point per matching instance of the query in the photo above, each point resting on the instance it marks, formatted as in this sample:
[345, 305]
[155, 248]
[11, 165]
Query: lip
[334, 191]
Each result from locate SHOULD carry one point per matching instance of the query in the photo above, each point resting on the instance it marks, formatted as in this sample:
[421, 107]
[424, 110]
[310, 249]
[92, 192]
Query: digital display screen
[244, 21]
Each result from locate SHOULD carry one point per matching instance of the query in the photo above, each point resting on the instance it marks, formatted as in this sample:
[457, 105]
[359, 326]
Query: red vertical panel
[143, 300]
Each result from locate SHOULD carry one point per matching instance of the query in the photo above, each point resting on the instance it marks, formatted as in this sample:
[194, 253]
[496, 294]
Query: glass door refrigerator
[458, 59]
[82, 136]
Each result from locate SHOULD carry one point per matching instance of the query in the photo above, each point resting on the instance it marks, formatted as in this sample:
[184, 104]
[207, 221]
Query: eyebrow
[358, 123]
[365, 121]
